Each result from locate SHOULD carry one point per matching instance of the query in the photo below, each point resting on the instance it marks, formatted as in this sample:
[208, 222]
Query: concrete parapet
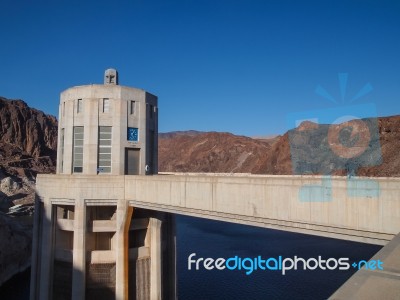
[375, 283]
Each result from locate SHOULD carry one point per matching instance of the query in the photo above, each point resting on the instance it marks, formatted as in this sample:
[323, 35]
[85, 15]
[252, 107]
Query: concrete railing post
[79, 252]
[124, 216]
[47, 252]
[155, 258]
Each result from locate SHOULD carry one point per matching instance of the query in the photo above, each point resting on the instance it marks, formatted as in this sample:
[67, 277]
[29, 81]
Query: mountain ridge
[224, 152]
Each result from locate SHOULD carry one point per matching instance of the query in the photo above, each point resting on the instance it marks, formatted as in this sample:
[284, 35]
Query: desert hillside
[211, 152]
[28, 143]
[28, 139]
[224, 152]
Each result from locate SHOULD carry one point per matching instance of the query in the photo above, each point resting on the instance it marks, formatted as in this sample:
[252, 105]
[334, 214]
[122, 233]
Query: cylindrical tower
[87, 242]
[107, 129]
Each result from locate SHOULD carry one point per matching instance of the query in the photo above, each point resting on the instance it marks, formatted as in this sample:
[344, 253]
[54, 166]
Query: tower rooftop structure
[111, 77]
[107, 128]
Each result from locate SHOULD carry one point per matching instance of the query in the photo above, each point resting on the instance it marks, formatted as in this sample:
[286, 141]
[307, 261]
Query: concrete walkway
[376, 284]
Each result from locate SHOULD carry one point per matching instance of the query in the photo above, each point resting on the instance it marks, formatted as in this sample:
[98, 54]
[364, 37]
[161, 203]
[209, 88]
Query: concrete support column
[79, 252]
[171, 280]
[155, 258]
[46, 260]
[124, 216]
[36, 246]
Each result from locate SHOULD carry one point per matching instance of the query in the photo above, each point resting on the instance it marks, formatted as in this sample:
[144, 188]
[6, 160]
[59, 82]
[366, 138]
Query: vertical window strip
[79, 106]
[62, 151]
[106, 105]
[77, 164]
[104, 151]
[132, 108]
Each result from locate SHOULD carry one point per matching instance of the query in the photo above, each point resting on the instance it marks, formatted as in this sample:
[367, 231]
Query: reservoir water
[215, 239]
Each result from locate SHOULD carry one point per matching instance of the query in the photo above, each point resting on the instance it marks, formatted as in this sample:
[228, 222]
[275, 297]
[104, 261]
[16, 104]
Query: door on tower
[132, 161]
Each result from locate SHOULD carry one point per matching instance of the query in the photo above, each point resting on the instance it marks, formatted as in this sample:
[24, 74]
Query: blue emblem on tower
[133, 134]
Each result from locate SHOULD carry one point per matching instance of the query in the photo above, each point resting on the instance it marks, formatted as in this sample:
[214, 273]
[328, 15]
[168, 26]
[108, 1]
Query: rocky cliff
[27, 128]
[28, 143]
[224, 152]
[210, 152]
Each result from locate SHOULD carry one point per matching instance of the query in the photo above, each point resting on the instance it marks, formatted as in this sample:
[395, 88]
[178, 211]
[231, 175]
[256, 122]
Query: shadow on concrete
[100, 277]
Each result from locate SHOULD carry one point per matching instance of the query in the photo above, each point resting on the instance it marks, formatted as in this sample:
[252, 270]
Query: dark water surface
[215, 239]
[17, 287]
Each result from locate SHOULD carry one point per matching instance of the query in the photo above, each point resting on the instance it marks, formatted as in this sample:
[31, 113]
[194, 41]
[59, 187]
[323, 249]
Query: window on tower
[132, 107]
[106, 105]
[77, 163]
[79, 107]
[104, 153]
[62, 150]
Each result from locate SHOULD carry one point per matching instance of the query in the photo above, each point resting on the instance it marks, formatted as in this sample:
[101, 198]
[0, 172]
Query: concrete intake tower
[89, 244]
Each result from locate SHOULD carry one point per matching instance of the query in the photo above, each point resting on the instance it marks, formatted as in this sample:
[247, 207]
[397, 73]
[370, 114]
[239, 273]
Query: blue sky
[236, 66]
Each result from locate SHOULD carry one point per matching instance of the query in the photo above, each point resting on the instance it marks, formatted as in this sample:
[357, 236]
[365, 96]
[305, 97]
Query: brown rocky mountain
[224, 152]
[389, 131]
[210, 152]
[27, 128]
[28, 142]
